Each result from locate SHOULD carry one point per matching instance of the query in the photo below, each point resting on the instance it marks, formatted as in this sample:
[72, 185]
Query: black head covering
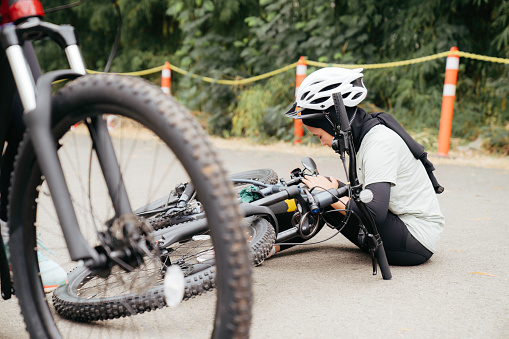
[322, 123]
[360, 123]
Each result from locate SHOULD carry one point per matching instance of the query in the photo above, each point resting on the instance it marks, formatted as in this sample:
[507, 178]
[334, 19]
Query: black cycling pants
[401, 248]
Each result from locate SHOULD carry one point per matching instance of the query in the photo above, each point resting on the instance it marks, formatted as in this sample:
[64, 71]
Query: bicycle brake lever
[296, 173]
[313, 206]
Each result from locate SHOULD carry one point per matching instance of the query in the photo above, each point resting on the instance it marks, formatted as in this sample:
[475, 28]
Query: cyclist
[52, 275]
[389, 163]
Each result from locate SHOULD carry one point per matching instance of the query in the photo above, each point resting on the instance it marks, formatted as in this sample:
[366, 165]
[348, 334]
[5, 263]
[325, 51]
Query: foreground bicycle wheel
[157, 144]
[84, 298]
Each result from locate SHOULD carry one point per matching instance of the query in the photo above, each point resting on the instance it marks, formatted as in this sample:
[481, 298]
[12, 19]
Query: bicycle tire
[259, 249]
[265, 175]
[145, 104]
[71, 303]
[270, 177]
[261, 233]
[263, 238]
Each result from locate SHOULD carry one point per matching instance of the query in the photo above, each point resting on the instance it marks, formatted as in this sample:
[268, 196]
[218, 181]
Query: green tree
[227, 39]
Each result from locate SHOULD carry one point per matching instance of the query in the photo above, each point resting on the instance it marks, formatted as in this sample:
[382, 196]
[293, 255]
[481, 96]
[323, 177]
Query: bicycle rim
[157, 146]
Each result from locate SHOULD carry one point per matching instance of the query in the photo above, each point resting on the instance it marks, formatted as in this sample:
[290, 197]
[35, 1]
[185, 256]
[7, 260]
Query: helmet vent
[357, 83]
[328, 88]
[319, 100]
[356, 96]
[304, 95]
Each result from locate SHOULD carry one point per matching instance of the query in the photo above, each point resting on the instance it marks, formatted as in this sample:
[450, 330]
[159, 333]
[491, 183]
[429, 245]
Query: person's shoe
[52, 274]
[273, 251]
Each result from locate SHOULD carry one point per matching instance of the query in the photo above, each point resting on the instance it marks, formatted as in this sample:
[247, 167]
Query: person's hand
[320, 182]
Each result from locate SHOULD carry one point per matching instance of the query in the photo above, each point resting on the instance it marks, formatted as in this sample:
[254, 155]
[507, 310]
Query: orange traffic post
[451, 77]
[298, 130]
[166, 78]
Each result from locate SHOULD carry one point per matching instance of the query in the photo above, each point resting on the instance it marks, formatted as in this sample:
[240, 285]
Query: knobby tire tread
[260, 247]
[136, 90]
[196, 284]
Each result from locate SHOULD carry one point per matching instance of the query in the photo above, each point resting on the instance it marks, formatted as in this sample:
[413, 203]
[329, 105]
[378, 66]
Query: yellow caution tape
[135, 74]
[383, 65]
[238, 82]
[208, 79]
[235, 82]
[412, 61]
[482, 57]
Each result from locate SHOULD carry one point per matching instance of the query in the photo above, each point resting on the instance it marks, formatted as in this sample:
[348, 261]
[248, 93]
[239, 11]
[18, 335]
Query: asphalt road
[328, 290]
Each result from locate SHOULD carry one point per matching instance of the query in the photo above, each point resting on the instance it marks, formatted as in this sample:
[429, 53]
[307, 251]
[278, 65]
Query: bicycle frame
[343, 143]
[274, 201]
[312, 203]
[36, 100]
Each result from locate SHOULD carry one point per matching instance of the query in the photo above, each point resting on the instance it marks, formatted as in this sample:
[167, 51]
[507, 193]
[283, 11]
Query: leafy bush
[228, 39]
[496, 139]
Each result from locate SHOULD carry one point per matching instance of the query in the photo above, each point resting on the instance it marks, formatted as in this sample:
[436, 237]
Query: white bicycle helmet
[315, 92]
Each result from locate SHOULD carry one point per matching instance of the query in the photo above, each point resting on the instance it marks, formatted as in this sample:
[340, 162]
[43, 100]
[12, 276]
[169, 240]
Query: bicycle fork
[36, 100]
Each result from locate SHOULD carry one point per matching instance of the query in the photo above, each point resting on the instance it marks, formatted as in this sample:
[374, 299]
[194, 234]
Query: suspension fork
[36, 100]
[108, 161]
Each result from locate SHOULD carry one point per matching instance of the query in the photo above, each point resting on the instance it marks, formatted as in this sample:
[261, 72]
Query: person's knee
[404, 258]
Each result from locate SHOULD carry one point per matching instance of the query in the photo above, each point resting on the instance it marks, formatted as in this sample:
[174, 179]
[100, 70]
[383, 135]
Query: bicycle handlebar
[382, 262]
[328, 197]
[313, 201]
[286, 193]
[340, 110]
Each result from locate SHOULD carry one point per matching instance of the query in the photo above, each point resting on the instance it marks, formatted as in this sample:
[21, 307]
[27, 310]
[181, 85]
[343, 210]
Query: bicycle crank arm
[287, 235]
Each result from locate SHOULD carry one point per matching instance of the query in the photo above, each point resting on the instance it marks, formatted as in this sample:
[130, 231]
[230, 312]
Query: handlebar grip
[383, 263]
[289, 192]
[344, 124]
[326, 198]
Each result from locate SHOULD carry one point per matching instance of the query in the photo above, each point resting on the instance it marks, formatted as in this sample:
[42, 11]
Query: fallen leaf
[491, 275]
[404, 330]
